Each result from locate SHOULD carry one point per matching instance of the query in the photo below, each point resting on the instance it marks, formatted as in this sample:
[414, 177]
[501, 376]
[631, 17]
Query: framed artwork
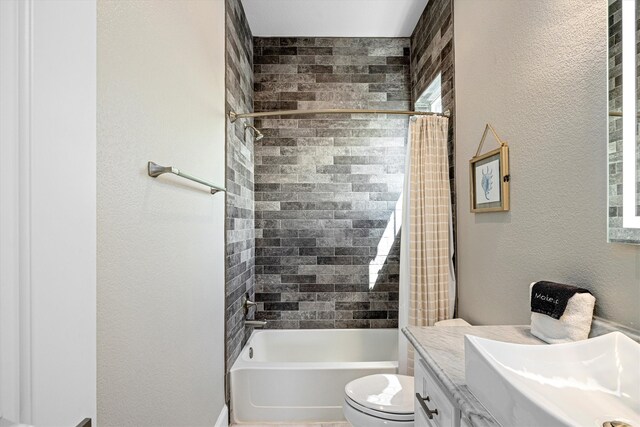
[489, 178]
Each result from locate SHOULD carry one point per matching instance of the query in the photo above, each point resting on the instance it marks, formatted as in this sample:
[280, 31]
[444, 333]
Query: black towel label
[551, 298]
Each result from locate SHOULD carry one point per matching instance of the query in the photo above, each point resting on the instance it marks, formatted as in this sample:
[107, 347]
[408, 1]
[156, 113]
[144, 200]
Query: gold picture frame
[489, 177]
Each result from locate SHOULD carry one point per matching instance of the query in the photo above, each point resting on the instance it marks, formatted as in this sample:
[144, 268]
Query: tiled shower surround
[240, 244]
[327, 187]
[432, 52]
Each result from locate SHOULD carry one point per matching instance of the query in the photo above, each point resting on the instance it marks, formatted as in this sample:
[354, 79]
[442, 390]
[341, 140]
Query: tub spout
[255, 323]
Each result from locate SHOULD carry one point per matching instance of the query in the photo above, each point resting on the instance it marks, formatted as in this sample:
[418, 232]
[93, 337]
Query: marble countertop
[442, 348]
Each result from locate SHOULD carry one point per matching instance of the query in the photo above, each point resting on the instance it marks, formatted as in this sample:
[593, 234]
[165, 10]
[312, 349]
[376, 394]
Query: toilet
[384, 399]
[379, 400]
[6, 423]
[453, 322]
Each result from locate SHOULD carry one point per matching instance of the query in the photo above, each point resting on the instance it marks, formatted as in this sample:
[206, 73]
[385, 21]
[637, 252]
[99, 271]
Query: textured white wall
[537, 71]
[160, 241]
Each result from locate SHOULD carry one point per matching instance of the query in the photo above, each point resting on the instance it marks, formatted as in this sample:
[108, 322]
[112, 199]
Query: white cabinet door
[436, 399]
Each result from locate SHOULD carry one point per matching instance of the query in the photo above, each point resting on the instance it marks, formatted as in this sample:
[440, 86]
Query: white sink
[585, 383]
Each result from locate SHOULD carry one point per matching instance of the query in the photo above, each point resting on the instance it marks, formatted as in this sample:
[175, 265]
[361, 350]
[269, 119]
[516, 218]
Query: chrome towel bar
[155, 170]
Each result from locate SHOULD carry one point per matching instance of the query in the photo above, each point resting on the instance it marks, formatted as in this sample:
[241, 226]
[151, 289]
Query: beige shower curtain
[430, 213]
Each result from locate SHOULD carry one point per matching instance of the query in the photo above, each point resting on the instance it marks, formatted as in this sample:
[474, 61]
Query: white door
[47, 211]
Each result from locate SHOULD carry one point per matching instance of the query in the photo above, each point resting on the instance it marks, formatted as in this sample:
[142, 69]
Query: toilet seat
[385, 396]
[390, 416]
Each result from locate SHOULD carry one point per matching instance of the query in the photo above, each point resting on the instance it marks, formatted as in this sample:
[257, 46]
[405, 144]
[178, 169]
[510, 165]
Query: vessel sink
[584, 383]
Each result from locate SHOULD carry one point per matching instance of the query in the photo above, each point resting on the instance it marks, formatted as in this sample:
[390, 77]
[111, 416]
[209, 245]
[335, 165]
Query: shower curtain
[427, 280]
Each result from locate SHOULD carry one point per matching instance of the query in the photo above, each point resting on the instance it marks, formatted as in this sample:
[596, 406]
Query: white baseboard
[223, 418]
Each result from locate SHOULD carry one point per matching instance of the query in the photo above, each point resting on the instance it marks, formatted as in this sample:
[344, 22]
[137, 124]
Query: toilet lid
[387, 393]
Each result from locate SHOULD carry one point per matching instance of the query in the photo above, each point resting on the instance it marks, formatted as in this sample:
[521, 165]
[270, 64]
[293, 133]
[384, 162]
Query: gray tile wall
[432, 52]
[240, 229]
[327, 186]
[616, 232]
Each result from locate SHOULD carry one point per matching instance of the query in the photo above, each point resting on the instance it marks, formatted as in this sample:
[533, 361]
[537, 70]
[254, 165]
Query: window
[431, 98]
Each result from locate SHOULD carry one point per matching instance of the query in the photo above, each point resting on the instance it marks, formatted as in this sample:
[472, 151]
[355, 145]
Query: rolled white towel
[573, 325]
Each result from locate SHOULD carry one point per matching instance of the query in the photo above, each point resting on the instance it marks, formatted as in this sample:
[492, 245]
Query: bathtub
[292, 376]
[6, 423]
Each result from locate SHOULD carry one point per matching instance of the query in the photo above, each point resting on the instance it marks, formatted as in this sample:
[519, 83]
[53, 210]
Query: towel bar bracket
[156, 170]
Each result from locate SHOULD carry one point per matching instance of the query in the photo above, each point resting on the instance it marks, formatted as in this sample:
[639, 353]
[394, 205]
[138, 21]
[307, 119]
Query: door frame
[15, 208]
[48, 211]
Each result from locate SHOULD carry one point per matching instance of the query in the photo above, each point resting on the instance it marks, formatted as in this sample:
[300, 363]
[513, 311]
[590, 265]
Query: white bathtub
[292, 376]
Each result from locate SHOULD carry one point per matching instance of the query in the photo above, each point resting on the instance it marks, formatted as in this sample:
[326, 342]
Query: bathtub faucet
[255, 323]
[247, 304]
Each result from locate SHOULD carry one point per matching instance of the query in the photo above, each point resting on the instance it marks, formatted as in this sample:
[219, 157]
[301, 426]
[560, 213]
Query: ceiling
[333, 18]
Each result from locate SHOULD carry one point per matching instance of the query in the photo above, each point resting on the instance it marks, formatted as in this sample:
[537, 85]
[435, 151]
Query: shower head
[257, 134]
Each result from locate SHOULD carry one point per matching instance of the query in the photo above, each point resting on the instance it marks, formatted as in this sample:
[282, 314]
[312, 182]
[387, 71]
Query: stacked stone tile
[327, 186]
[240, 229]
[432, 53]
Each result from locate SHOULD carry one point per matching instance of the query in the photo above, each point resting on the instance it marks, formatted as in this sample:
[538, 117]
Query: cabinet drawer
[435, 398]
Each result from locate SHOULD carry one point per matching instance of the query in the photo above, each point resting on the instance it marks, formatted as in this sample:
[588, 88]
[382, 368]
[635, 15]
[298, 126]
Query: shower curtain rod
[233, 116]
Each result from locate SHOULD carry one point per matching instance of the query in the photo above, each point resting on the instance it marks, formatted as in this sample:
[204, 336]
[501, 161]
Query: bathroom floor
[344, 424]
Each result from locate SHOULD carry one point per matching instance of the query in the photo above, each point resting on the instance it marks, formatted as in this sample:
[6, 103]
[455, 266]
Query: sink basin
[585, 383]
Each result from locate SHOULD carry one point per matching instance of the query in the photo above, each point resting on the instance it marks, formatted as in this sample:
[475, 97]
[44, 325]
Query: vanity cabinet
[434, 407]
[464, 422]
[439, 373]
